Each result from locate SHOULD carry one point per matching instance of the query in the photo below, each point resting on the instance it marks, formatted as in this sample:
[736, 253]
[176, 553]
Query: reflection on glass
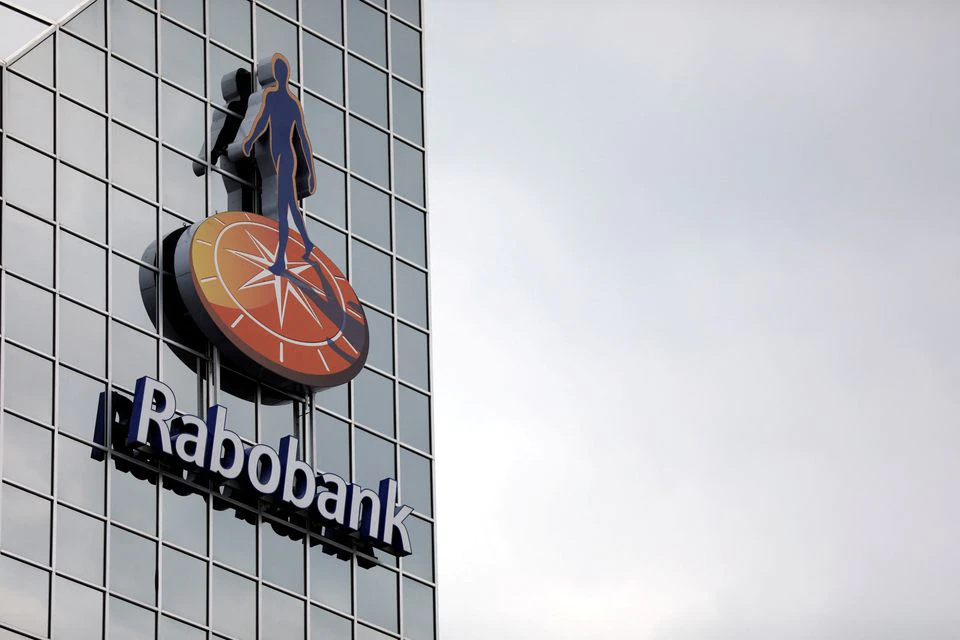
[370, 213]
[133, 97]
[133, 565]
[132, 33]
[381, 340]
[417, 611]
[79, 545]
[133, 162]
[415, 482]
[325, 128]
[184, 516]
[27, 453]
[79, 398]
[86, 276]
[131, 622]
[324, 16]
[276, 35]
[282, 616]
[407, 112]
[78, 612]
[408, 165]
[282, 561]
[30, 392]
[223, 62]
[230, 24]
[234, 538]
[24, 596]
[82, 203]
[25, 522]
[29, 317]
[367, 31]
[82, 72]
[28, 112]
[370, 275]
[184, 585]
[412, 355]
[368, 91]
[323, 67]
[329, 579]
[374, 459]
[373, 401]
[369, 154]
[28, 179]
[377, 597]
[420, 562]
[234, 606]
[414, 418]
[133, 496]
[182, 60]
[405, 51]
[134, 355]
[84, 345]
[412, 294]
[329, 626]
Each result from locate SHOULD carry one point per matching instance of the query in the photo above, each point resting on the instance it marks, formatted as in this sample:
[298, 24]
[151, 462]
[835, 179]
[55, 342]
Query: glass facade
[102, 123]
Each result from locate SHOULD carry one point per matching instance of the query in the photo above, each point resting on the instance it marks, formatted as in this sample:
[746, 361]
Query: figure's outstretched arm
[305, 150]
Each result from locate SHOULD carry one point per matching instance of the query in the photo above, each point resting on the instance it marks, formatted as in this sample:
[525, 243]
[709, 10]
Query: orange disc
[305, 325]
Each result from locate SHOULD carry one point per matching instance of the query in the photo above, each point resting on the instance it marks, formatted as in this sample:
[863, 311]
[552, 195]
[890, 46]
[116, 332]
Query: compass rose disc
[305, 326]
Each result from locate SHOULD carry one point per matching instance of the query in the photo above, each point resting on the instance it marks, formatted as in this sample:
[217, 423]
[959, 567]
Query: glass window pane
[234, 607]
[25, 522]
[78, 612]
[333, 445]
[134, 355]
[330, 578]
[373, 403]
[83, 341]
[369, 155]
[83, 273]
[133, 97]
[374, 459]
[366, 633]
[230, 24]
[418, 611]
[133, 565]
[183, 191]
[82, 203]
[132, 33]
[128, 278]
[82, 72]
[282, 561]
[182, 60]
[184, 585]
[133, 496]
[405, 51]
[24, 596]
[189, 12]
[276, 35]
[368, 91]
[27, 245]
[408, 165]
[377, 597]
[367, 31]
[29, 317]
[323, 67]
[27, 453]
[90, 23]
[171, 629]
[222, 63]
[407, 112]
[409, 10]
[28, 112]
[325, 625]
[183, 121]
[278, 417]
[330, 200]
[234, 538]
[412, 294]
[371, 275]
[381, 340]
[140, 176]
[184, 516]
[131, 622]
[414, 418]
[411, 233]
[81, 478]
[415, 482]
[236, 394]
[420, 562]
[28, 180]
[412, 355]
[38, 62]
[79, 545]
[180, 372]
[370, 213]
[324, 16]
[282, 617]
[332, 242]
[79, 399]
[30, 392]
[133, 224]
[325, 126]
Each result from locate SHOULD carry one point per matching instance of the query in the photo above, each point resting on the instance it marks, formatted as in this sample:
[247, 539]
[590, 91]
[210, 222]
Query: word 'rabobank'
[278, 476]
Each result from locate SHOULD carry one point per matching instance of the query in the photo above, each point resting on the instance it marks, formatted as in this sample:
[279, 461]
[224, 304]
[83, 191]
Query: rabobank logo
[275, 305]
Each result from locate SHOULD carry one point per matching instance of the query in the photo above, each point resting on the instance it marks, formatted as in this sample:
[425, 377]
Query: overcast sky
[695, 301]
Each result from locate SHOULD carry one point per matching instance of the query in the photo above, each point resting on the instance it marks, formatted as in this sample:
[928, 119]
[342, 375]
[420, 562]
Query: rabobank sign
[258, 472]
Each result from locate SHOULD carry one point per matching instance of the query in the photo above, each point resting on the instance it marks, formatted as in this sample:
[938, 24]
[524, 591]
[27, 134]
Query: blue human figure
[285, 159]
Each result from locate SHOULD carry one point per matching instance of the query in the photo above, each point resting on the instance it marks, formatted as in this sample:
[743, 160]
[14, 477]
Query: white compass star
[282, 286]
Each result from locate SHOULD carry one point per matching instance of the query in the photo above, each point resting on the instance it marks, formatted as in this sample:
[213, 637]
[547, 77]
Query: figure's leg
[286, 166]
[302, 228]
[280, 264]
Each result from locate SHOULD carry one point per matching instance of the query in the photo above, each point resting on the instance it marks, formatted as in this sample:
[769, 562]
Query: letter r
[153, 406]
